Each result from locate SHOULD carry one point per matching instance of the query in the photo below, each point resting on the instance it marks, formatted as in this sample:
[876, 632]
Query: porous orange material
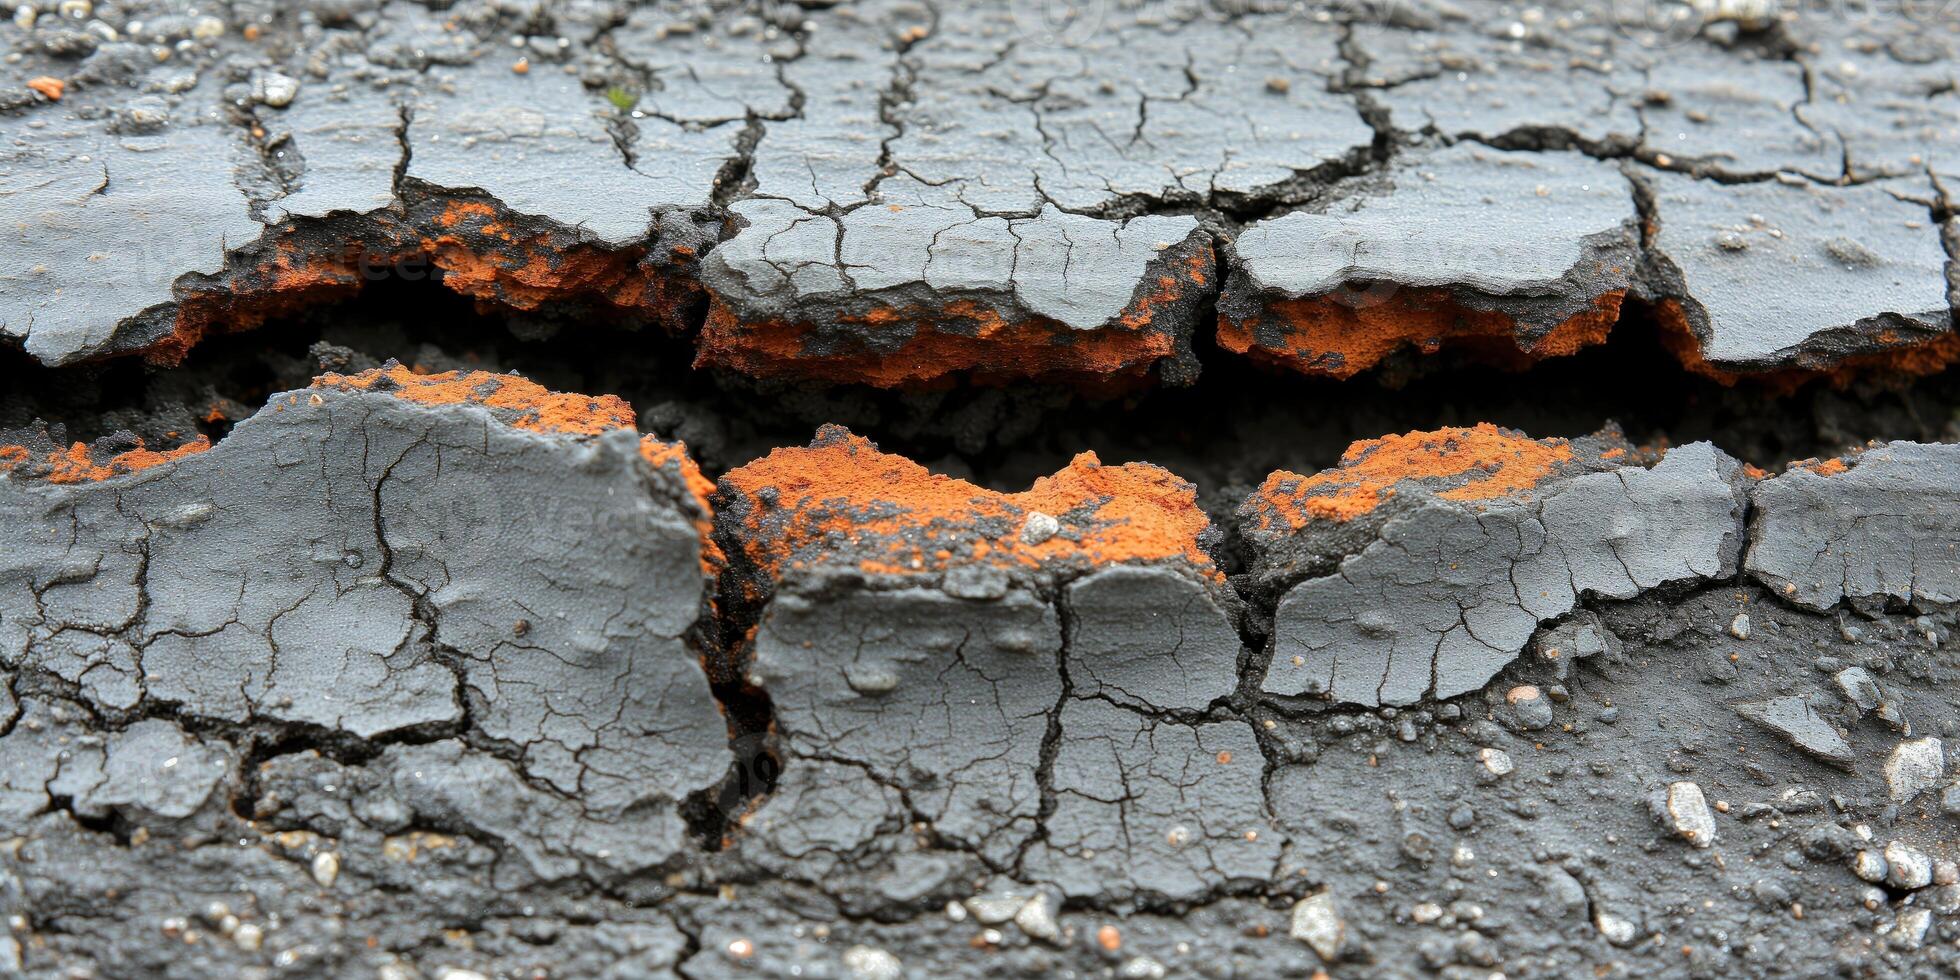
[841, 497]
[1482, 462]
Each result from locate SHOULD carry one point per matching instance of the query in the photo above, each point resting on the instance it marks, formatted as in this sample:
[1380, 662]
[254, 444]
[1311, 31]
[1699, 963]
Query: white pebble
[1914, 766]
[326, 868]
[871, 963]
[1317, 924]
[1688, 810]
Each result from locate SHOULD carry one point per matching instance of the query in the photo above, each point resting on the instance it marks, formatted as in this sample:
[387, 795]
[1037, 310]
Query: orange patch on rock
[471, 242]
[659, 454]
[1482, 462]
[995, 349]
[50, 87]
[1329, 336]
[77, 463]
[482, 257]
[963, 337]
[1824, 467]
[898, 518]
[1898, 357]
[288, 281]
[538, 408]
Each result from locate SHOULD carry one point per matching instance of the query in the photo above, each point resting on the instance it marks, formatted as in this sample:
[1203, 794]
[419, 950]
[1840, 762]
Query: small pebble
[326, 868]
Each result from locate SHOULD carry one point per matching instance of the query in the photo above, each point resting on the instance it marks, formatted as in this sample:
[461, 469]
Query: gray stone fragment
[791, 265]
[958, 730]
[1860, 270]
[1316, 923]
[1418, 232]
[1685, 810]
[348, 140]
[1577, 637]
[1869, 865]
[1154, 638]
[1795, 720]
[1907, 867]
[1888, 528]
[1153, 809]
[1449, 594]
[78, 259]
[1858, 688]
[149, 773]
[1913, 767]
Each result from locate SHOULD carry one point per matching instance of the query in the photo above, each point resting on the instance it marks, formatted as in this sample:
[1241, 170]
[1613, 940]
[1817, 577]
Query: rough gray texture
[891, 184]
[1155, 809]
[1884, 530]
[1150, 638]
[944, 700]
[103, 223]
[381, 689]
[1448, 593]
[1497, 78]
[357, 567]
[1853, 264]
[1073, 773]
[898, 181]
[913, 253]
[1539, 238]
[1496, 222]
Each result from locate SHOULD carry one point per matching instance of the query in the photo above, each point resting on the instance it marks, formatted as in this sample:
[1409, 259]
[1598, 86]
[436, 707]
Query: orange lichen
[469, 245]
[1482, 462]
[892, 516]
[289, 279]
[659, 454]
[50, 87]
[961, 337]
[77, 464]
[1341, 338]
[995, 349]
[1897, 356]
[537, 408]
[483, 257]
[1822, 467]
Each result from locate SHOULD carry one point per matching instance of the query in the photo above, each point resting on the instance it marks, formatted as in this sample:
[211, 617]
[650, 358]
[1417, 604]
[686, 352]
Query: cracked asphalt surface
[332, 664]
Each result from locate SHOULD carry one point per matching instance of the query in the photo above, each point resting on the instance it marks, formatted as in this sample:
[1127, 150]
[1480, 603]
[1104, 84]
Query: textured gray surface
[1883, 530]
[1447, 593]
[376, 687]
[966, 772]
[1496, 222]
[899, 192]
[1853, 266]
[348, 564]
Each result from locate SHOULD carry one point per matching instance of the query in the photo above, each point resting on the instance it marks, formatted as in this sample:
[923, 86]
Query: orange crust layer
[524, 404]
[1896, 356]
[885, 514]
[77, 464]
[1326, 336]
[1482, 462]
[986, 346]
[475, 245]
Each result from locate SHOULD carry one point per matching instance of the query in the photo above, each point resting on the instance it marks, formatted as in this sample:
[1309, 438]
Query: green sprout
[622, 99]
